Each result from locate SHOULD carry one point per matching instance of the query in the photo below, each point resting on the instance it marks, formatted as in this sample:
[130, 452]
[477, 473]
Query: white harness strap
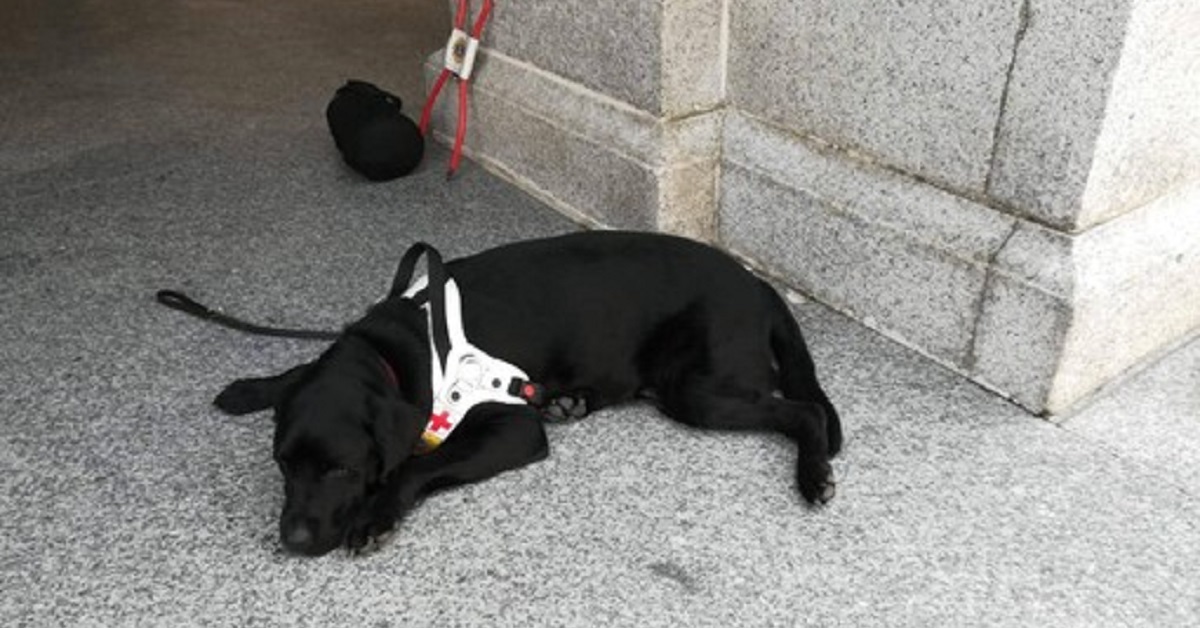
[468, 378]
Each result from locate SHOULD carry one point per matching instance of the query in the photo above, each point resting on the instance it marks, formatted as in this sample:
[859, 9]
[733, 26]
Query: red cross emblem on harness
[439, 422]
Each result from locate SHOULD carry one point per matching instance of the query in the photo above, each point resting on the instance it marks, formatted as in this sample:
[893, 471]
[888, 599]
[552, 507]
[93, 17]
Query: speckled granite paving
[147, 145]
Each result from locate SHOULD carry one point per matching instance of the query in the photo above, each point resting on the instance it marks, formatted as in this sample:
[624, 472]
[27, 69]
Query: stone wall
[1010, 186]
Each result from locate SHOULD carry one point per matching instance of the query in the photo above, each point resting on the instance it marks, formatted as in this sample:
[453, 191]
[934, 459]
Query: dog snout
[298, 536]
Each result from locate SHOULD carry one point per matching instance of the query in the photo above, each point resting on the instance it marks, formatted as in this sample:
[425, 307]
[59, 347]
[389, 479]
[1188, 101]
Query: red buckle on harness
[460, 49]
[532, 393]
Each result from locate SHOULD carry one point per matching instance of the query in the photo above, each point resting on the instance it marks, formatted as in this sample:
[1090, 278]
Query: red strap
[427, 111]
[480, 21]
[460, 18]
[460, 134]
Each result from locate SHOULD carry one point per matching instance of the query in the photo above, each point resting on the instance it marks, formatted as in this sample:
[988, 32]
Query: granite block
[633, 133]
[904, 257]
[1149, 144]
[1137, 293]
[917, 85]
[1019, 340]
[591, 156]
[879, 195]
[694, 47]
[1039, 257]
[869, 272]
[1055, 107]
[1026, 310]
[688, 194]
[613, 47]
[662, 57]
[580, 176]
[1064, 314]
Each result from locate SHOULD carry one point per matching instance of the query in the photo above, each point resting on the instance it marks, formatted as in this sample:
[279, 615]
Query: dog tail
[797, 373]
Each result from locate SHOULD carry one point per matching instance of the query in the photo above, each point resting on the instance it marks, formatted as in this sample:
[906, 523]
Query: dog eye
[339, 472]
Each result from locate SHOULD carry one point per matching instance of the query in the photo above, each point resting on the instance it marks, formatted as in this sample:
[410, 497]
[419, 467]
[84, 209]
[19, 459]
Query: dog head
[339, 435]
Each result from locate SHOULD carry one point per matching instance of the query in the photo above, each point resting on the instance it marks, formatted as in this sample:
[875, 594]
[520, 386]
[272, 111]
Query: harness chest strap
[468, 377]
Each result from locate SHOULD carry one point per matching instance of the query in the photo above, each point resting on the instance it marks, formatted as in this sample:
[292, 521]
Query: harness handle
[436, 290]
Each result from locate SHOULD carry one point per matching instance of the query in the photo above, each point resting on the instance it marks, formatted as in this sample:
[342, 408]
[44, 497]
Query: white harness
[469, 377]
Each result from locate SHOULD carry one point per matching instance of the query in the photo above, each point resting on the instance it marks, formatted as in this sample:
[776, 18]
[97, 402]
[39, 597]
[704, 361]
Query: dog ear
[396, 329]
[259, 393]
[395, 426]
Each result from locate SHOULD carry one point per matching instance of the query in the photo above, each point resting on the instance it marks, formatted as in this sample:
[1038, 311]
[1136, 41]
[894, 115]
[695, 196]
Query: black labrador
[595, 318]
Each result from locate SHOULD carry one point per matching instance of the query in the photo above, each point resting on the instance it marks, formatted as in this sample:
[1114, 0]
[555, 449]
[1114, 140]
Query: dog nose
[297, 537]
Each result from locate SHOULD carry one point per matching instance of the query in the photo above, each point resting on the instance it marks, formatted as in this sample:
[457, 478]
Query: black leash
[180, 301]
[437, 281]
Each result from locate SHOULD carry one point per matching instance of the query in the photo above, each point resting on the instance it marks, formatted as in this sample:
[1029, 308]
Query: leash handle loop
[182, 302]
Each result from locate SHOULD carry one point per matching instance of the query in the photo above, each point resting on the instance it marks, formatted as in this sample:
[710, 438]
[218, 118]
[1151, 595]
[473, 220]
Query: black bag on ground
[374, 137]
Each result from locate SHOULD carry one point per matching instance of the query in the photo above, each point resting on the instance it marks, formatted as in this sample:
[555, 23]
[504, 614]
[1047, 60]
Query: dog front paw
[368, 542]
[243, 397]
[376, 523]
[370, 534]
[815, 480]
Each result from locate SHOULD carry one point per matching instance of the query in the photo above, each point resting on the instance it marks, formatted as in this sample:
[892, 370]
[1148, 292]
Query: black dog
[595, 318]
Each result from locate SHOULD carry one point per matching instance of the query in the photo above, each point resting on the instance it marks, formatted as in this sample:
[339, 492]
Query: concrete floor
[148, 144]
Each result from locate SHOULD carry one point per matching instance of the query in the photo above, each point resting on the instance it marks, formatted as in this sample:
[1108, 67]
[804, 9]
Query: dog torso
[595, 312]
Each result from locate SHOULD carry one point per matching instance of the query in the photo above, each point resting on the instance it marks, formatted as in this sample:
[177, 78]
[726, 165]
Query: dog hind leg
[567, 407]
[702, 403]
[797, 374]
